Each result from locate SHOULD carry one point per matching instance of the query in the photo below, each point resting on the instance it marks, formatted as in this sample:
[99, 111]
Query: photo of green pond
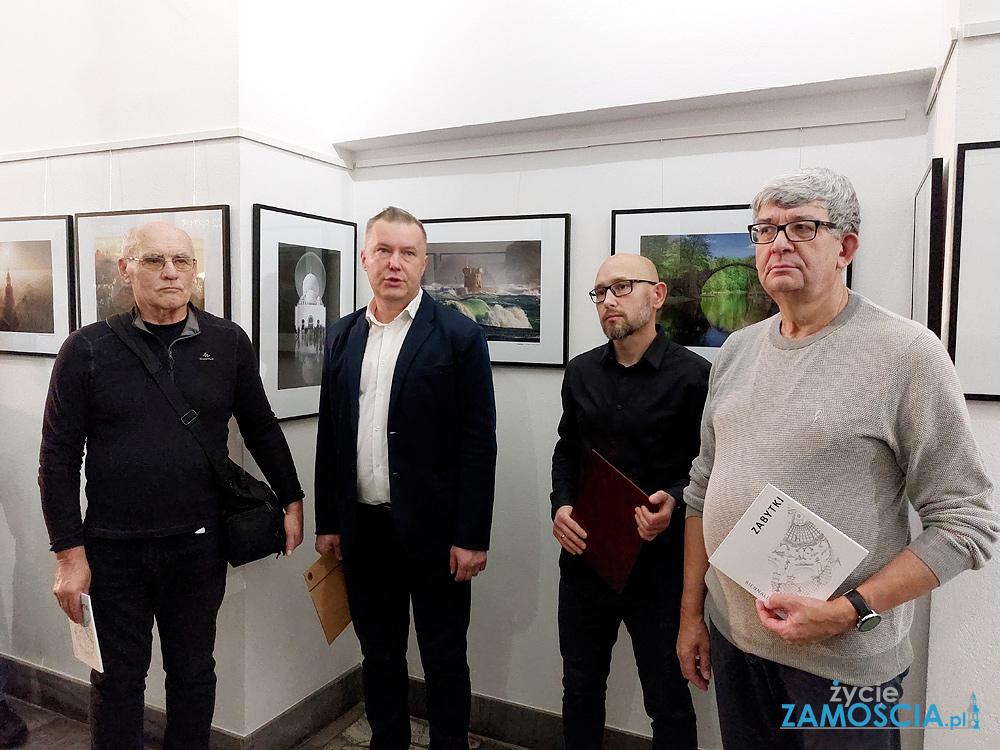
[712, 285]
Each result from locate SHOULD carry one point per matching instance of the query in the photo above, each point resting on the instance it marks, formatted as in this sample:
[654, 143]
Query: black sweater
[146, 474]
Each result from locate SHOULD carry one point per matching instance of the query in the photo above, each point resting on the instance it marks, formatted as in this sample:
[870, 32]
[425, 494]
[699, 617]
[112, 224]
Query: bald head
[628, 293]
[625, 266]
[152, 233]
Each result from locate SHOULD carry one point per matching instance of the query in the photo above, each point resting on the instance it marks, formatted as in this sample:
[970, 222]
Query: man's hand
[693, 651]
[806, 620]
[652, 523]
[569, 533]
[72, 579]
[466, 564]
[293, 526]
[329, 542]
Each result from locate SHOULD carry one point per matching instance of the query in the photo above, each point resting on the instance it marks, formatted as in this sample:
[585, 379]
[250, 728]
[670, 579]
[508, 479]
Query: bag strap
[121, 324]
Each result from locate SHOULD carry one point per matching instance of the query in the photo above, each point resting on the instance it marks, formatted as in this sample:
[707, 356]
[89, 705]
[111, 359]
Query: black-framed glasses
[801, 230]
[618, 289]
[181, 263]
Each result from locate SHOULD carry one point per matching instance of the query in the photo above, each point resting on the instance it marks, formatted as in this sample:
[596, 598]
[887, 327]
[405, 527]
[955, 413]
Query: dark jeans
[382, 580]
[750, 691]
[590, 614]
[179, 581]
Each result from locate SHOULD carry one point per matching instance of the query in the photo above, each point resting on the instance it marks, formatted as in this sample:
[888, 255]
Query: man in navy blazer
[405, 470]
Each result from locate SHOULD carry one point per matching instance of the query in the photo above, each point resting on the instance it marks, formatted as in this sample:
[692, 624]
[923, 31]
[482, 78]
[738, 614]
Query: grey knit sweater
[853, 422]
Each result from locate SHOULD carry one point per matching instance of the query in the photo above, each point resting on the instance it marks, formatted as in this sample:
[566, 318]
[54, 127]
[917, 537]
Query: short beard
[619, 331]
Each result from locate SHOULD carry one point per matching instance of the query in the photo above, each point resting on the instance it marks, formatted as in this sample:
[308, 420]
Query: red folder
[605, 508]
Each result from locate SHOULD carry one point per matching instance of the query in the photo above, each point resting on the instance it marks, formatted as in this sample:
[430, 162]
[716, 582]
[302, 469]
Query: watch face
[869, 622]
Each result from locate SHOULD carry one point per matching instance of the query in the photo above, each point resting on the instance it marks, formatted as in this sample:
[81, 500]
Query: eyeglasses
[618, 289]
[181, 263]
[802, 230]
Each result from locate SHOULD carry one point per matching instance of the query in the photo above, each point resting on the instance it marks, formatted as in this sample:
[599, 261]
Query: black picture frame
[930, 214]
[98, 239]
[974, 326]
[38, 307]
[289, 247]
[720, 228]
[520, 299]
[666, 235]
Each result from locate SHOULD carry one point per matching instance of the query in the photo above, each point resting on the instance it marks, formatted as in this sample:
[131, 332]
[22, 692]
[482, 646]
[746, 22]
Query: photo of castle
[26, 271]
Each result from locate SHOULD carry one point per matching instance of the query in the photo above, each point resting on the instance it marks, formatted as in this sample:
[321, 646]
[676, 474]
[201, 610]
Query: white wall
[514, 651]
[287, 657]
[319, 72]
[964, 652]
[107, 70]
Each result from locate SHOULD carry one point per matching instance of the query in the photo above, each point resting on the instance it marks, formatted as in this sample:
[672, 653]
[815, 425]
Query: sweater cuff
[66, 542]
[938, 552]
[693, 504]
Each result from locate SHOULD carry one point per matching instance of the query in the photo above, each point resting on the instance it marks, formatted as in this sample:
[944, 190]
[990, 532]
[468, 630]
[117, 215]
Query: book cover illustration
[780, 546]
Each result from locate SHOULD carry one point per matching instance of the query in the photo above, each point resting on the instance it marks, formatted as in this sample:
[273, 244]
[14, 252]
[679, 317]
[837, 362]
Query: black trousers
[590, 614]
[382, 581]
[750, 691]
[179, 582]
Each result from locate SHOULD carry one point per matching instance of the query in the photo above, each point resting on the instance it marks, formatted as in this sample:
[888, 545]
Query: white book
[86, 647]
[780, 546]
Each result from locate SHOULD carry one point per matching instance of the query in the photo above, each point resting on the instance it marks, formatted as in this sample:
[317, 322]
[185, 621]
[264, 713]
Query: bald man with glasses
[636, 401]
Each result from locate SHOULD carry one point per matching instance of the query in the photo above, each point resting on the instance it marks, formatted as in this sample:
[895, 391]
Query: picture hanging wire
[45, 189]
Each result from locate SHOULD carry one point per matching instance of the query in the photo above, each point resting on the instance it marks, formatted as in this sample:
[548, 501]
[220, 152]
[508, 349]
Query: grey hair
[394, 215]
[135, 238]
[817, 184]
[132, 242]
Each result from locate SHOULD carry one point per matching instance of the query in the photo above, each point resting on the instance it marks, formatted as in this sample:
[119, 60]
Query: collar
[410, 309]
[854, 301]
[653, 354]
[191, 327]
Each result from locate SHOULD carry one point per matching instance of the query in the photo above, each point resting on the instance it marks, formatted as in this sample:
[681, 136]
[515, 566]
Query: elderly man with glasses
[857, 414]
[636, 401]
[147, 549]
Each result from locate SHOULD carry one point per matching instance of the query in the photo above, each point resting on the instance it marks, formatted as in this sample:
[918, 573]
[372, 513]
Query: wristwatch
[868, 619]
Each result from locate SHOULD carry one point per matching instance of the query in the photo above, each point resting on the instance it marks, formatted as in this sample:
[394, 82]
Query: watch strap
[858, 602]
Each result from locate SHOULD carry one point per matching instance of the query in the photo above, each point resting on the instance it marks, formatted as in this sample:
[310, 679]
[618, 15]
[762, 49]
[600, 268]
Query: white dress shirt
[381, 353]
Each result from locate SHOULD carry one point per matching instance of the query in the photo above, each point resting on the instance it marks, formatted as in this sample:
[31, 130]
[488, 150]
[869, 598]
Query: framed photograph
[705, 256]
[36, 262]
[99, 245]
[303, 282]
[929, 216]
[974, 326]
[509, 274]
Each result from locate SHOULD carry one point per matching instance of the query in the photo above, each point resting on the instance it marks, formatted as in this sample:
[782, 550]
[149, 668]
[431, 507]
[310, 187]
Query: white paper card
[780, 546]
[85, 645]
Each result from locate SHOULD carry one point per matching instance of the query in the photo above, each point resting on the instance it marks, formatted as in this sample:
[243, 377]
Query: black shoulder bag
[253, 523]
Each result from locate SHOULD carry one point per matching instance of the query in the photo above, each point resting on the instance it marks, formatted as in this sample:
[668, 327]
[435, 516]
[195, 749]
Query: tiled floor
[51, 731]
[351, 732]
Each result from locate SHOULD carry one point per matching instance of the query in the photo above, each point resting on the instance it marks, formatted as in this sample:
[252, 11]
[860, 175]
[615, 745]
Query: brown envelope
[328, 590]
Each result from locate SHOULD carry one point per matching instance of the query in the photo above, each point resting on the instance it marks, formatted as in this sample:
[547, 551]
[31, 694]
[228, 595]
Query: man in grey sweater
[857, 413]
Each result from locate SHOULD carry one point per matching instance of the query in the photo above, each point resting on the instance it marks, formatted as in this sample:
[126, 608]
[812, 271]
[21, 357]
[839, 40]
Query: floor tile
[358, 736]
[48, 730]
[51, 731]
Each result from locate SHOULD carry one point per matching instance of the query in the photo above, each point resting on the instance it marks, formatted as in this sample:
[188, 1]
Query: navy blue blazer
[441, 433]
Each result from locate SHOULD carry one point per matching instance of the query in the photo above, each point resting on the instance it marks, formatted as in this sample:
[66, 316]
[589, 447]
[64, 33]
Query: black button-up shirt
[644, 419]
